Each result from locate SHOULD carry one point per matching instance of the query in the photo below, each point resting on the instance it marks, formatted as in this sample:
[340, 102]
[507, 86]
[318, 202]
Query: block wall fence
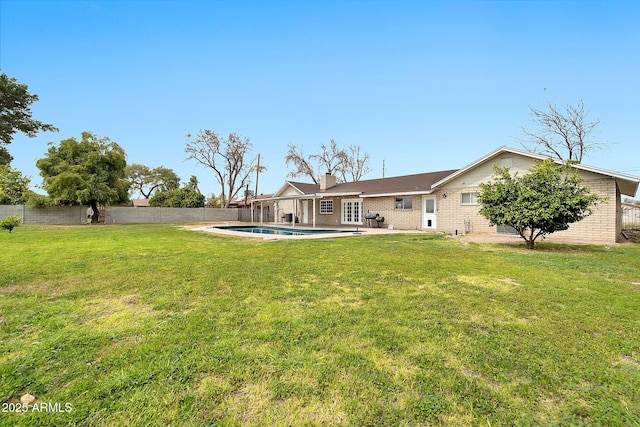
[74, 215]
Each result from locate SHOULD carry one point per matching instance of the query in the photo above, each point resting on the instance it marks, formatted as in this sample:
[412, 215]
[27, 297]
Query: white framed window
[469, 198]
[405, 202]
[352, 211]
[326, 207]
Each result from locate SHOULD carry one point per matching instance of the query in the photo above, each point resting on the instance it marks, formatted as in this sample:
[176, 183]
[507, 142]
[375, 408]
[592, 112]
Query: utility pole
[383, 168]
[257, 175]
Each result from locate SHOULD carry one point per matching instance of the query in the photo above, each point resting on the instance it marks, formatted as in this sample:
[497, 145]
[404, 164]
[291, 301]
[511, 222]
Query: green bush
[11, 222]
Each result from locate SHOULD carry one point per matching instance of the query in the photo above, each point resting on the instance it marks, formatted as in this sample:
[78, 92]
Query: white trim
[402, 193]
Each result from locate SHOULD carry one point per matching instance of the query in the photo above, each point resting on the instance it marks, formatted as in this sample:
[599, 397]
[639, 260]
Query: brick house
[443, 201]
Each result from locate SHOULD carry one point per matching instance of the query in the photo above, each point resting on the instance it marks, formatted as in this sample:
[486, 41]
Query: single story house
[443, 201]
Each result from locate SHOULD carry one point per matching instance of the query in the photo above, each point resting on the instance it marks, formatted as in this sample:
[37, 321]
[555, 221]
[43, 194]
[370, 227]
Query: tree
[229, 159]
[14, 187]
[184, 197]
[564, 135]
[11, 222]
[15, 114]
[91, 171]
[345, 163]
[146, 180]
[547, 199]
[5, 157]
[356, 164]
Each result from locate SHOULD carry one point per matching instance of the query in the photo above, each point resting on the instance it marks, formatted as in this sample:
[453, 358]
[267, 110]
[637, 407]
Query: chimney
[327, 181]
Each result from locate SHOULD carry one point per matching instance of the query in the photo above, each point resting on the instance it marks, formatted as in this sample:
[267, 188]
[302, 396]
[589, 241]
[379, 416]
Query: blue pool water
[280, 231]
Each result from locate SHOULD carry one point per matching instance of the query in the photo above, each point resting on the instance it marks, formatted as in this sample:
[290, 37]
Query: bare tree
[343, 163]
[356, 163]
[228, 158]
[330, 159]
[565, 135]
[303, 164]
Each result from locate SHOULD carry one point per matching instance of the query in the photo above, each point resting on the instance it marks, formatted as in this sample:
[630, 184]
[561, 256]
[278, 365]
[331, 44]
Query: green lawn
[157, 325]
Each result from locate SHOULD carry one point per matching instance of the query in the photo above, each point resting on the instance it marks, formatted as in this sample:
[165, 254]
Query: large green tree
[146, 181]
[14, 186]
[90, 172]
[184, 197]
[547, 199]
[15, 114]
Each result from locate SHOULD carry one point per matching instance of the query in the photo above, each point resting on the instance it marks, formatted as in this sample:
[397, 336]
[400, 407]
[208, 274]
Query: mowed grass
[158, 325]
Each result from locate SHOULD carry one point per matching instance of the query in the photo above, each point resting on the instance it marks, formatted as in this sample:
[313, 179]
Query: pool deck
[357, 231]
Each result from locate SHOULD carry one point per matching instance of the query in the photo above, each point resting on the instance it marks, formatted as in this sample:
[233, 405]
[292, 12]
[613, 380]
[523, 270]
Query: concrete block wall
[130, 215]
[56, 215]
[10, 210]
[73, 215]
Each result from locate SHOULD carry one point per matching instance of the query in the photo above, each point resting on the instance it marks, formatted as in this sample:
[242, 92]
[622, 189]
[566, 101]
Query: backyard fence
[630, 216]
[70, 215]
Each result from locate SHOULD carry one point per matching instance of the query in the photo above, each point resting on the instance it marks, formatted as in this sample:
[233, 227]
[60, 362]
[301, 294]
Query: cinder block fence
[71, 215]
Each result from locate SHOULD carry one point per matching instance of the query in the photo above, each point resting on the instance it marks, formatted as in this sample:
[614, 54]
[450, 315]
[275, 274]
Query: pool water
[280, 231]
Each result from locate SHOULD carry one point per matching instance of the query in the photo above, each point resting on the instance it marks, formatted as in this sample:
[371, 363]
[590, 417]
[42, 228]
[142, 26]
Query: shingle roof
[393, 185]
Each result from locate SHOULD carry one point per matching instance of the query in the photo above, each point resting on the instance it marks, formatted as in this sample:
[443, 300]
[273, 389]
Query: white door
[429, 212]
[352, 211]
[305, 212]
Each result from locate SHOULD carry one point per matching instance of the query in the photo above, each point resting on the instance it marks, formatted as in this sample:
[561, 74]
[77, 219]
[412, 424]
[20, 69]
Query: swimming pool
[281, 231]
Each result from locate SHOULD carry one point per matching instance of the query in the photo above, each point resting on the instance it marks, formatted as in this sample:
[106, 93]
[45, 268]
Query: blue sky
[420, 85]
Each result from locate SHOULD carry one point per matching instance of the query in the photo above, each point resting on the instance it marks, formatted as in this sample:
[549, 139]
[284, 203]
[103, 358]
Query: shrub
[11, 222]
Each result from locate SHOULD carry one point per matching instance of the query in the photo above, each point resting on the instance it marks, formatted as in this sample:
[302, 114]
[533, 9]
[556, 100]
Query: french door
[352, 211]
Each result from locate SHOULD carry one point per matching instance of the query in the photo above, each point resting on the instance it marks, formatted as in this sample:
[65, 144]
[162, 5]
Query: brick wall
[401, 219]
[603, 226]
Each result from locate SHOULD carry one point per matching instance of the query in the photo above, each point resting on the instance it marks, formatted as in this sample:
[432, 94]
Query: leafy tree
[230, 159]
[15, 114]
[213, 202]
[146, 180]
[90, 172]
[349, 163]
[5, 157]
[547, 199]
[193, 184]
[14, 187]
[184, 197]
[562, 134]
[11, 222]
[40, 201]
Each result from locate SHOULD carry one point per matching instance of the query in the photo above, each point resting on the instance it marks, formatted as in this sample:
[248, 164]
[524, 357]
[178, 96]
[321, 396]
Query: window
[405, 202]
[506, 162]
[469, 198]
[326, 206]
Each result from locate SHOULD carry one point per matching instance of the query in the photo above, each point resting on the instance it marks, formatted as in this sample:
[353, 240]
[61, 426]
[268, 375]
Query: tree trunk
[530, 243]
[96, 212]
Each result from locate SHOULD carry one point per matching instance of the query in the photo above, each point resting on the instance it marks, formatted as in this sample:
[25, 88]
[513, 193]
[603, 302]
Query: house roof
[426, 183]
[398, 185]
[627, 184]
[140, 203]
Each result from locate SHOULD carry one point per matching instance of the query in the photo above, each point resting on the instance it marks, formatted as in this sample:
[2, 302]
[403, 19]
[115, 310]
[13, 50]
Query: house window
[326, 206]
[506, 162]
[404, 202]
[469, 198]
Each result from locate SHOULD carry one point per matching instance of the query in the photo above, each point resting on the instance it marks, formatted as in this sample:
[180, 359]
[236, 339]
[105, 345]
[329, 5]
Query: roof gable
[627, 184]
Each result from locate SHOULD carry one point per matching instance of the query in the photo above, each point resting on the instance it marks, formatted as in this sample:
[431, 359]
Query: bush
[11, 222]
